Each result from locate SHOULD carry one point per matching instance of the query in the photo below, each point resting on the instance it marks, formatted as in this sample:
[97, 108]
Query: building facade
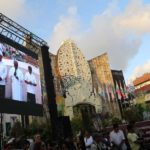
[82, 84]
[119, 83]
[142, 84]
[142, 88]
[76, 80]
[102, 68]
[120, 89]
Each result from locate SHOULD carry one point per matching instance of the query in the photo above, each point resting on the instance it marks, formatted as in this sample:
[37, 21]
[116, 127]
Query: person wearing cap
[16, 76]
[30, 80]
[3, 74]
[117, 138]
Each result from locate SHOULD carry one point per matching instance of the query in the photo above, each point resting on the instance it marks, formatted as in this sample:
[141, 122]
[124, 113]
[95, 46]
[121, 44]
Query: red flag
[117, 90]
[111, 92]
[121, 91]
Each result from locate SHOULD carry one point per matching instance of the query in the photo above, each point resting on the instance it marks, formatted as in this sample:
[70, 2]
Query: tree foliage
[16, 130]
[76, 124]
[134, 114]
[44, 129]
[108, 119]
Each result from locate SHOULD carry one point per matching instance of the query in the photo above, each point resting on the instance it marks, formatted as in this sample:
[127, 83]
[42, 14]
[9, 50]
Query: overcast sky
[119, 27]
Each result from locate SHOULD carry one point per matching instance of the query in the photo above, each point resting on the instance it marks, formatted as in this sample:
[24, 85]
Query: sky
[119, 27]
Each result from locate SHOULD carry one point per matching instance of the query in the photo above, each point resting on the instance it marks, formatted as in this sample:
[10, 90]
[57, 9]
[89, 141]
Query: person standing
[3, 74]
[80, 140]
[37, 144]
[133, 138]
[88, 140]
[117, 138]
[31, 84]
[16, 76]
[96, 145]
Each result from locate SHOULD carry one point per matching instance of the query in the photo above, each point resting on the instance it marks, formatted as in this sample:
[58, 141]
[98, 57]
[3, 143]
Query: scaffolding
[18, 34]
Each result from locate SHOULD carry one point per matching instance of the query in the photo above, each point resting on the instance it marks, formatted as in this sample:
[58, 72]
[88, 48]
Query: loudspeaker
[64, 127]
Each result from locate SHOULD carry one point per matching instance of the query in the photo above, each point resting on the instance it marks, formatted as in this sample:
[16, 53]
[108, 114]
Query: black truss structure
[27, 42]
[18, 34]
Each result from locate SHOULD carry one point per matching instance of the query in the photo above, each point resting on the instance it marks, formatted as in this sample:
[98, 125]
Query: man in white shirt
[117, 138]
[88, 140]
[31, 84]
[16, 76]
[3, 74]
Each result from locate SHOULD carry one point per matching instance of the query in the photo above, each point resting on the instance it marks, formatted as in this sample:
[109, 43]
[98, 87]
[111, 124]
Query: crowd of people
[117, 139]
[14, 54]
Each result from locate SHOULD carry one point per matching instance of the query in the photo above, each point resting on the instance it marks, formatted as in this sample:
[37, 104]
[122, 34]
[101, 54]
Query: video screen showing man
[16, 76]
[3, 74]
[19, 75]
[30, 80]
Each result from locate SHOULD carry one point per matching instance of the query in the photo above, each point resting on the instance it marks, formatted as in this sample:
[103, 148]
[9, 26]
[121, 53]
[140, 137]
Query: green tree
[76, 124]
[134, 114]
[16, 130]
[106, 119]
[116, 120]
[43, 128]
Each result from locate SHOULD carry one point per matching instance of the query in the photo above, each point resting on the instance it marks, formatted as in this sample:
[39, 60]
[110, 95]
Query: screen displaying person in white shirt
[19, 76]
[3, 74]
[16, 76]
[30, 80]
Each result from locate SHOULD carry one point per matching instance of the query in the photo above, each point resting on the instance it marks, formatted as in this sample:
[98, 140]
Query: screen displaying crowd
[19, 76]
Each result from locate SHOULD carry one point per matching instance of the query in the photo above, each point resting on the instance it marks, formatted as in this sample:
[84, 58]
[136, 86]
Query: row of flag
[109, 92]
[121, 91]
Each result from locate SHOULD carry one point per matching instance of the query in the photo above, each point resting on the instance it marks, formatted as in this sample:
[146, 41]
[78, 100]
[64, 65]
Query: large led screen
[19, 76]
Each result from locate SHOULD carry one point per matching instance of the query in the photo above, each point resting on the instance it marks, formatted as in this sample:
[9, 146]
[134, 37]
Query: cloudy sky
[119, 27]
